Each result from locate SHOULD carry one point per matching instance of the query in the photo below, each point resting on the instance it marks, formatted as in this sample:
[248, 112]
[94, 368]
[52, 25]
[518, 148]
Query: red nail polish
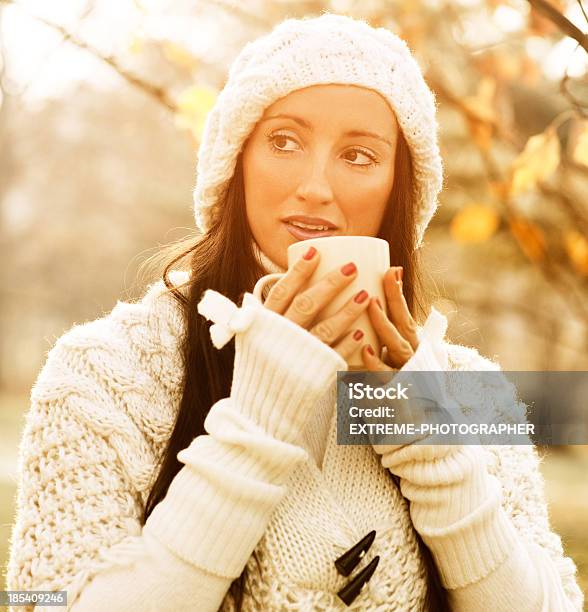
[370, 350]
[358, 335]
[310, 253]
[361, 297]
[348, 269]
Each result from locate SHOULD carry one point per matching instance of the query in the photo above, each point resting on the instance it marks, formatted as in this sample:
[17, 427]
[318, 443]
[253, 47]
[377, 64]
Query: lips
[313, 222]
[304, 233]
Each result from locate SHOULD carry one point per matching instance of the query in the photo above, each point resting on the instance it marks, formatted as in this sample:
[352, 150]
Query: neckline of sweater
[268, 265]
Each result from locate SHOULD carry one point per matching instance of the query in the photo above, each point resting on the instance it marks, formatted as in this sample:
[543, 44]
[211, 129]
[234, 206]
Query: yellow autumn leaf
[577, 249]
[481, 133]
[580, 149]
[474, 223]
[530, 238]
[481, 115]
[538, 161]
[193, 106]
[481, 105]
[180, 56]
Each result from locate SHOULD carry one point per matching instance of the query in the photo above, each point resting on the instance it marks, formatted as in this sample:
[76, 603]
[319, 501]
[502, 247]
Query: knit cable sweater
[268, 476]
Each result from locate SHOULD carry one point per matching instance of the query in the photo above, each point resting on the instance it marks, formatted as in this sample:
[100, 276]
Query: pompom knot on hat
[298, 53]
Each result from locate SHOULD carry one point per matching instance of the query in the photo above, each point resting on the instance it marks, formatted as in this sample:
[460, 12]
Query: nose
[315, 186]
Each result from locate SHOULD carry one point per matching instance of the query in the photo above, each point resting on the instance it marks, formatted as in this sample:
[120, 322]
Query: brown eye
[280, 141]
[371, 161]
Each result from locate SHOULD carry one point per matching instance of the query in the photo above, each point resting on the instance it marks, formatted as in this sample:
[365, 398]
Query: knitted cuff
[218, 505]
[522, 582]
[472, 548]
[456, 508]
[281, 371]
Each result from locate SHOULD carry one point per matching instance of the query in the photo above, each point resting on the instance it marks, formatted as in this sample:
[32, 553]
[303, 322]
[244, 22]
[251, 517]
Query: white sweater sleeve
[200, 536]
[484, 521]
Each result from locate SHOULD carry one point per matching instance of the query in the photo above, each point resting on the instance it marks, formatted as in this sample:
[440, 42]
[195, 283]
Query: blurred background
[102, 105]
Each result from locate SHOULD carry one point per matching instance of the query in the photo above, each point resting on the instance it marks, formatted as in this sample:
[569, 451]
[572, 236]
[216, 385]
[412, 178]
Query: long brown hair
[223, 260]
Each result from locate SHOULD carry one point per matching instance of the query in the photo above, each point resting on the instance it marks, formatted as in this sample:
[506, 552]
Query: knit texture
[299, 53]
[104, 405]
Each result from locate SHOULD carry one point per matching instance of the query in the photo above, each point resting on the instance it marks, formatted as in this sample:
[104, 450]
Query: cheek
[365, 200]
[267, 180]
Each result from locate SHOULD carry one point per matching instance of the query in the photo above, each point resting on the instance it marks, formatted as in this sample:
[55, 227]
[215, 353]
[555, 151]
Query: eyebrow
[308, 126]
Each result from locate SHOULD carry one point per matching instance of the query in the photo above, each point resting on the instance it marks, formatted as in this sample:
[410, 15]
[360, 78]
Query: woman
[158, 472]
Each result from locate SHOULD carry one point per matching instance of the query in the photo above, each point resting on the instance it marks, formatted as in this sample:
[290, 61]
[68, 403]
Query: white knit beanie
[299, 53]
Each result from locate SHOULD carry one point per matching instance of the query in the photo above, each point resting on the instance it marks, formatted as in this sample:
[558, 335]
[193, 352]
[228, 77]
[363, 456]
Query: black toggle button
[348, 561]
[352, 589]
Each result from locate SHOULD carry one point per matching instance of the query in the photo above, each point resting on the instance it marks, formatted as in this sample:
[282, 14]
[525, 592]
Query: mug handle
[262, 282]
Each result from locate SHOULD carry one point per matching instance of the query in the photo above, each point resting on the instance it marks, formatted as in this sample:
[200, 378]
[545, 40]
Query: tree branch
[156, 92]
[577, 104]
[582, 9]
[546, 267]
[562, 22]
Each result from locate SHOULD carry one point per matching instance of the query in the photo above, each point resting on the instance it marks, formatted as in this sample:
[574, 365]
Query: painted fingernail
[358, 335]
[310, 253]
[361, 297]
[348, 269]
[379, 303]
[370, 350]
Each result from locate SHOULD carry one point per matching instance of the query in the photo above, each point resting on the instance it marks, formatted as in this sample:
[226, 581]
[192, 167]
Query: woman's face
[324, 152]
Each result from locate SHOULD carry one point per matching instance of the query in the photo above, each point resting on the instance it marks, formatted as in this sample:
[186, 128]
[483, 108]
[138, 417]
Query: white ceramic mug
[372, 258]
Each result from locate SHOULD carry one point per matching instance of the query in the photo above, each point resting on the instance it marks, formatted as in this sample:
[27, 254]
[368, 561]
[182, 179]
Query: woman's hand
[397, 335]
[303, 307]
